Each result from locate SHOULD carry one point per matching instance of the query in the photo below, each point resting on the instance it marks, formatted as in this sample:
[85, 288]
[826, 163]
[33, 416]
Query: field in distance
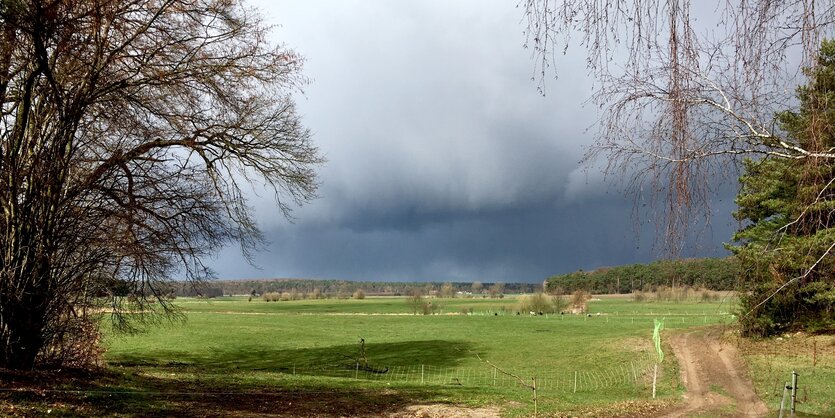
[314, 346]
[375, 357]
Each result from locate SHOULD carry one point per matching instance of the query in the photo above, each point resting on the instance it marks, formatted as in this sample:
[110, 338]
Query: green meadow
[489, 356]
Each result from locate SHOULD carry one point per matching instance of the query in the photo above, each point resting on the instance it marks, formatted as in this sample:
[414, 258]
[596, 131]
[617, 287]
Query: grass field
[303, 345]
[231, 356]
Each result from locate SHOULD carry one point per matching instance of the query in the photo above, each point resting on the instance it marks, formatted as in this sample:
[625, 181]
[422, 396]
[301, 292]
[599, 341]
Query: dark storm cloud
[444, 162]
[519, 244]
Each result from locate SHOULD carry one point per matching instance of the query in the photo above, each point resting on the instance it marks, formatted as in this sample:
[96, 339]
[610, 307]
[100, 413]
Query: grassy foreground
[812, 357]
[234, 357]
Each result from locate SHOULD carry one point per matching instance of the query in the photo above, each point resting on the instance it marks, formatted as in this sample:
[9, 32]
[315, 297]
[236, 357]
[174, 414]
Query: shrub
[359, 294]
[580, 297]
[639, 296]
[709, 296]
[559, 302]
[77, 348]
[663, 294]
[447, 290]
[578, 301]
[271, 296]
[415, 301]
[540, 302]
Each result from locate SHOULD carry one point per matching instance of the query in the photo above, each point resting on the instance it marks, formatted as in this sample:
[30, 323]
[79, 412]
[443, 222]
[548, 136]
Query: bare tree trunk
[22, 326]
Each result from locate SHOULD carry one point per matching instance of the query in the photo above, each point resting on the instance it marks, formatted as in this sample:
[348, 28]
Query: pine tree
[788, 208]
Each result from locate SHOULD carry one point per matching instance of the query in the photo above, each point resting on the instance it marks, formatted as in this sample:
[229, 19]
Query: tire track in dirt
[714, 377]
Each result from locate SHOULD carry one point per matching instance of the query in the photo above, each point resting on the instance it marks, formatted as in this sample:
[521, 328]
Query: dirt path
[714, 376]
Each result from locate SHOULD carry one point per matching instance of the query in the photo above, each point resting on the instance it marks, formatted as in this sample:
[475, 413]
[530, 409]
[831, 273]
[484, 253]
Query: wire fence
[635, 372]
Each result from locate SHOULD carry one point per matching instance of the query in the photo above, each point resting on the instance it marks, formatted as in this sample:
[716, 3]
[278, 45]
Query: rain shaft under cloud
[444, 161]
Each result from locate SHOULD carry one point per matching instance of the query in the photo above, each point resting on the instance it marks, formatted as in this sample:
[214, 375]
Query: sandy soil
[445, 411]
[714, 376]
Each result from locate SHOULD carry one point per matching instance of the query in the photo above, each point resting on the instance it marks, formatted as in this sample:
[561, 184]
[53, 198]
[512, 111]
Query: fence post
[783, 399]
[575, 381]
[794, 391]
[814, 354]
[294, 369]
[357, 371]
[654, 378]
[534, 397]
[494, 376]
[421, 374]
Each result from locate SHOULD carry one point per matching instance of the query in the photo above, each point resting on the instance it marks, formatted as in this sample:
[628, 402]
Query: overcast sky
[444, 161]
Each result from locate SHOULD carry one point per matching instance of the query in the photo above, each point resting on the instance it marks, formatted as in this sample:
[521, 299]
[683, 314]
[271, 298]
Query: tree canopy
[709, 273]
[687, 91]
[128, 134]
[685, 88]
[787, 204]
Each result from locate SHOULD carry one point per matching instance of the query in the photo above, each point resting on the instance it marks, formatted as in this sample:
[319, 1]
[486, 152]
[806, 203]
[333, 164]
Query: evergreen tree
[788, 208]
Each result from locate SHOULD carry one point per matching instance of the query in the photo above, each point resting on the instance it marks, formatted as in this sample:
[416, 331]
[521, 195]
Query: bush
[359, 294]
[77, 347]
[639, 296]
[271, 296]
[663, 294]
[540, 302]
[447, 290]
[415, 301]
[580, 297]
[708, 295]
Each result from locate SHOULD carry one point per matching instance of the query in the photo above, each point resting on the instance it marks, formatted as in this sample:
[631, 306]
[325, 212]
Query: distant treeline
[708, 273]
[344, 288]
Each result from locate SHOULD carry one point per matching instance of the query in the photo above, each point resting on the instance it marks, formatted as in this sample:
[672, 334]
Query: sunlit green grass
[369, 305]
[275, 344]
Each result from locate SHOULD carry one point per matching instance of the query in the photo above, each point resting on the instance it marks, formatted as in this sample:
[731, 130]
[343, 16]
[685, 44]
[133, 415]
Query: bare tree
[129, 131]
[681, 101]
[415, 300]
[447, 290]
[477, 287]
[496, 290]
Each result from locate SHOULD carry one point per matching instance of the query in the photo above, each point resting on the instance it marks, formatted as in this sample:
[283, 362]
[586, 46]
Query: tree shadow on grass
[128, 392]
[312, 361]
